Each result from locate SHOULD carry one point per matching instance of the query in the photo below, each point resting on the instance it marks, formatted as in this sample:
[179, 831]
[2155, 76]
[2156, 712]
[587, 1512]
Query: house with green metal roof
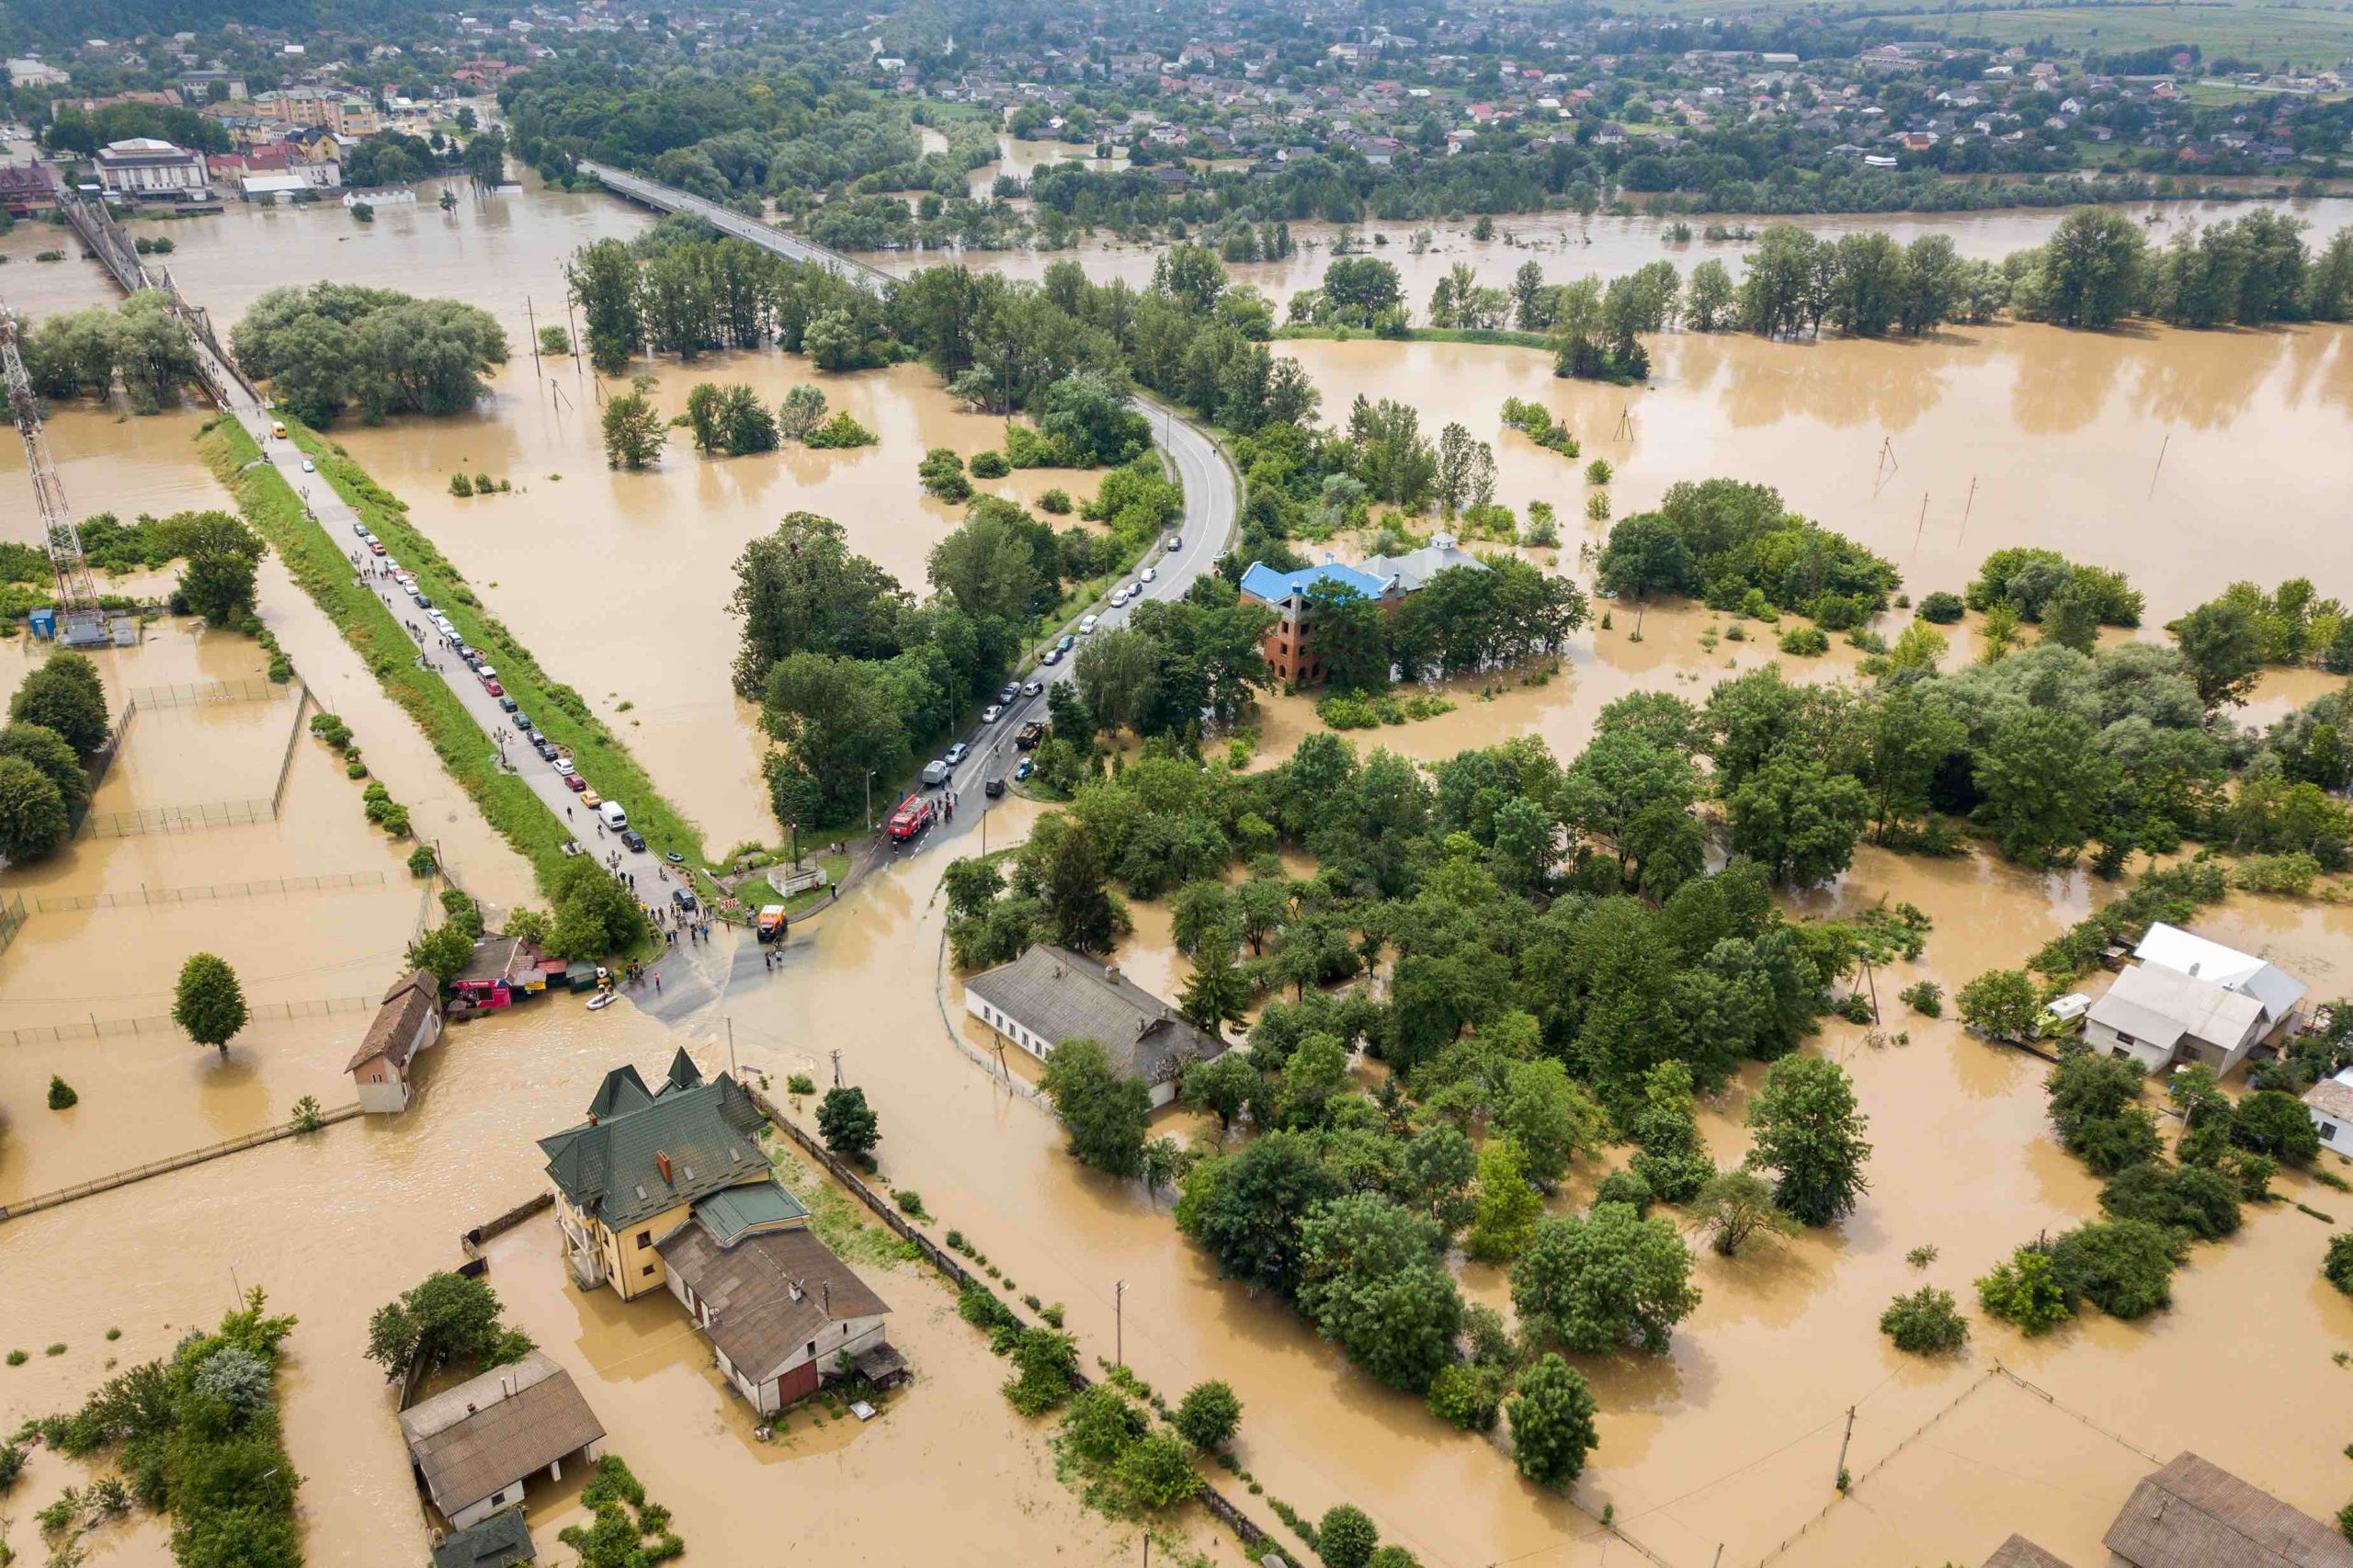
[643, 1160]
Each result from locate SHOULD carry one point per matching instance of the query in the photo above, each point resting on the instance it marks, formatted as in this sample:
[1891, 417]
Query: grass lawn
[559, 711]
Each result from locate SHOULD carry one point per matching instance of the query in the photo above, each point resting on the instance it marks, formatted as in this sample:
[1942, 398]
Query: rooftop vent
[662, 1164]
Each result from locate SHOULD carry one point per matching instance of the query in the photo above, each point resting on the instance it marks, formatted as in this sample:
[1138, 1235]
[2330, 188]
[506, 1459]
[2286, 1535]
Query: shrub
[2026, 1291]
[2336, 1268]
[1346, 1537]
[1924, 1322]
[1209, 1415]
[2124, 1268]
[978, 1305]
[17, 1358]
[60, 1094]
[802, 1083]
[1805, 642]
[1624, 1186]
[460, 485]
[910, 1202]
[1045, 1364]
[1056, 501]
[990, 465]
[1940, 608]
[2202, 1202]
[842, 430]
[1598, 472]
[1925, 998]
[1468, 1396]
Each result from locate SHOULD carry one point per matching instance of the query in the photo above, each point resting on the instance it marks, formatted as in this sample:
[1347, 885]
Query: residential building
[2192, 1513]
[1412, 572]
[143, 168]
[27, 190]
[345, 114]
[206, 86]
[632, 1173]
[1051, 995]
[30, 71]
[2189, 999]
[1289, 645]
[2330, 1104]
[2020, 1552]
[499, 1541]
[407, 1021]
[780, 1309]
[475, 1445]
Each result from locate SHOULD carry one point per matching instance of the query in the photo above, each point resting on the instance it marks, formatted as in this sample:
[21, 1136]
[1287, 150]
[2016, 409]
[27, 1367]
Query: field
[2305, 35]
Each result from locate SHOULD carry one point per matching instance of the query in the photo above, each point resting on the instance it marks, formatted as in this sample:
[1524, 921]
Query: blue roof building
[1271, 587]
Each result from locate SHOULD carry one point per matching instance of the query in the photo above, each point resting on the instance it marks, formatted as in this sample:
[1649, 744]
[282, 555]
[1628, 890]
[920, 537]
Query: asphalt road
[1212, 506]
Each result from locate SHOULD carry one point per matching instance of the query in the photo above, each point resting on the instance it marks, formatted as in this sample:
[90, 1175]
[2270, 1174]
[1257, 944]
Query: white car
[1087, 626]
[1033, 688]
[989, 714]
[1118, 598]
[563, 762]
[1150, 575]
[310, 467]
[958, 753]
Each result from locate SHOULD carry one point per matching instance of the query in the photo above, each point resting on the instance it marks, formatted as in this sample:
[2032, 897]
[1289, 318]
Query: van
[935, 773]
[278, 428]
[615, 818]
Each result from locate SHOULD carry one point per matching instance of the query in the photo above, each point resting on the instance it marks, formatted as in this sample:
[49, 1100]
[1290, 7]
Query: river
[2165, 454]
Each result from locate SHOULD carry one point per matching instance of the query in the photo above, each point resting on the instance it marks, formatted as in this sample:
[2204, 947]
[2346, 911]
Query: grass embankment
[318, 563]
[560, 713]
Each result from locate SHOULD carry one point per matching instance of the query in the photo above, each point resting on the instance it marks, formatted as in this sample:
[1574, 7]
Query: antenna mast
[77, 596]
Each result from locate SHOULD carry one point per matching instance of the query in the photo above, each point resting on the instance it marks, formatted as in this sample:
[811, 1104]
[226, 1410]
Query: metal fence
[207, 894]
[178, 819]
[190, 694]
[94, 1028]
[175, 1163]
[12, 920]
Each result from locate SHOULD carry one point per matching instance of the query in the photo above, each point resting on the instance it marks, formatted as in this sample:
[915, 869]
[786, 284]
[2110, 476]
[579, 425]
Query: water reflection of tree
[2204, 379]
[1844, 383]
[2062, 379]
[2320, 365]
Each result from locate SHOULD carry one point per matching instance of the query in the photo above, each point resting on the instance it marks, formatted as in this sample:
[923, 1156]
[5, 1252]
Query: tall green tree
[1553, 1412]
[1103, 1111]
[209, 1004]
[1809, 1134]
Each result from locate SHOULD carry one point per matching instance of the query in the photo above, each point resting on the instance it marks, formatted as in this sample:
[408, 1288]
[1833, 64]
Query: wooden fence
[63, 1195]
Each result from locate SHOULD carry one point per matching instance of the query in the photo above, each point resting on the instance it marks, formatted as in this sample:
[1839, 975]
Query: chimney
[662, 1163]
[826, 1296]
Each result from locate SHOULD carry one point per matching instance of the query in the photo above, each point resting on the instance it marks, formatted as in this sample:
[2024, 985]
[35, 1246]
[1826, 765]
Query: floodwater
[1568, 248]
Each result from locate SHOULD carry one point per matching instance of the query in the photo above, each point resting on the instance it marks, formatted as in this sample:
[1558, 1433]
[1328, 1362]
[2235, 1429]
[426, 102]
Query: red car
[574, 782]
[375, 547]
[493, 688]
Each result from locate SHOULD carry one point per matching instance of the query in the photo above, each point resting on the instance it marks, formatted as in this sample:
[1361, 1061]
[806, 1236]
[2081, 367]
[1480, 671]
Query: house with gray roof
[2189, 999]
[779, 1307]
[633, 1172]
[475, 1445]
[1050, 995]
[2192, 1513]
[1412, 572]
[2280, 994]
[499, 1541]
[2330, 1104]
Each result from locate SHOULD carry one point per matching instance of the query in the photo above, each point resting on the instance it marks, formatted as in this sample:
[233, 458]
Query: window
[810, 1350]
[647, 1272]
[645, 1238]
[2328, 1133]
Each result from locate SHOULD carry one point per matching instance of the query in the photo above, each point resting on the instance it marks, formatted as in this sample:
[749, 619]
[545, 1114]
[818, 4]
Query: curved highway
[1212, 501]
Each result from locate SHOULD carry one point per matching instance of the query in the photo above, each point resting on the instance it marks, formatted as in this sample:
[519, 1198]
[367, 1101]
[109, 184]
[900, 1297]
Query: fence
[12, 920]
[192, 693]
[1256, 1540]
[207, 894]
[175, 1163]
[107, 1029]
[294, 739]
[178, 819]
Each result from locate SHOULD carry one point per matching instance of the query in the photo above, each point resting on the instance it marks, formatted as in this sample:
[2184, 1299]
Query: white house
[1050, 995]
[2156, 1017]
[407, 1021]
[2330, 1104]
[2280, 994]
[475, 1445]
[142, 168]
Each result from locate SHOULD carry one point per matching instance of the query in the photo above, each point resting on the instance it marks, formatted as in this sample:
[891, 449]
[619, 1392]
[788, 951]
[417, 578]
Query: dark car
[523, 722]
[684, 900]
[544, 746]
[994, 787]
[633, 839]
[507, 702]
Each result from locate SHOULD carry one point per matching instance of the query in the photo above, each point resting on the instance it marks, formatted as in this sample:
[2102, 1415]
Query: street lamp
[869, 798]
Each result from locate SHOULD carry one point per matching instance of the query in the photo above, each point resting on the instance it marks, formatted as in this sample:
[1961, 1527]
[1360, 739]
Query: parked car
[994, 788]
[935, 773]
[523, 721]
[957, 754]
[684, 899]
[1012, 690]
[563, 761]
[485, 672]
[361, 529]
[574, 782]
[1087, 626]
[1118, 600]
[989, 715]
[1175, 544]
[589, 798]
[544, 746]
[310, 467]
[438, 619]
[1025, 770]
[1149, 574]
[375, 547]
[1029, 735]
[1067, 643]
[1033, 688]
[493, 688]
[1050, 656]
[507, 703]
[633, 839]
[616, 818]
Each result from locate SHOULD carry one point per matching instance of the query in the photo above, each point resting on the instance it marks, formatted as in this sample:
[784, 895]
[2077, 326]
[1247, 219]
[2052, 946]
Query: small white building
[475, 1445]
[2189, 999]
[143, 168]
[1050, 995]
[2330, 1104]
[407, 1021]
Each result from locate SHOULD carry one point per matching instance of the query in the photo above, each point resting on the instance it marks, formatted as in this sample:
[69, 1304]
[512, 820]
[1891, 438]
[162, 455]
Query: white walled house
[1050, 995]
[476, 1444]
[2189, 999]
[408, 1020]
[2330, 1104]
[779, 1307]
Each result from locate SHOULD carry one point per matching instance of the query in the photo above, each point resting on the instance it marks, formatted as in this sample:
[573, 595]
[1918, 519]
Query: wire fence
[175, 1163]
[12, 920]
[94, 1028]
[191, 694]
[212, 892]
[178, 819]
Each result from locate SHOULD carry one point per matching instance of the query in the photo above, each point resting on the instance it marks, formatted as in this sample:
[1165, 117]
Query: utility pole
[1120, 1322]
[2161, 462]
[837, 1067]
[1842, 1448]
[869, 799]
[1921, 527]
[1968, 506]
[531, 316]
[732, 1070]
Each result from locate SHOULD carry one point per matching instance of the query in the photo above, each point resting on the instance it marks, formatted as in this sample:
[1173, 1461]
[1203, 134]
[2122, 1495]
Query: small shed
[2330, 1104]
[2020, 1552]
[490, 978]
[499, 1541]
[475, 1445]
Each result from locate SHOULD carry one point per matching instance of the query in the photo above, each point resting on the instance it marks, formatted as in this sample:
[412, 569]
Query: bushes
[2193, 1200]
[841, 431]
[990, 465]
[1532, 420]
[60, 1094]
[2026, 1291]
[942, 472]
[1924, 1322]
[2336, 1268]
[1045, 1363]
[2273, 1122]
[1055, 501]
[2124, 1268]
[1940, 608]
[1925, 998]
[1468, 1396]
[1805, 642]
[2095, 1106]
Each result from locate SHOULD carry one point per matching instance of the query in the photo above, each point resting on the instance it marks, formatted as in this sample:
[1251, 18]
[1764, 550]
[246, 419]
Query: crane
[77, 596]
